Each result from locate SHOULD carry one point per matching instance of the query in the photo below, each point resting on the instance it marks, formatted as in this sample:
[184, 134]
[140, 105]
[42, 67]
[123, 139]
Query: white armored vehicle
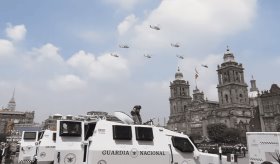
[263, 146]
[27, 149]
[102, 141]
[37, 147]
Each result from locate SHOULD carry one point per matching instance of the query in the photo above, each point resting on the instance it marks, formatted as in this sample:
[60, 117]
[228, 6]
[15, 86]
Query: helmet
[137, 107]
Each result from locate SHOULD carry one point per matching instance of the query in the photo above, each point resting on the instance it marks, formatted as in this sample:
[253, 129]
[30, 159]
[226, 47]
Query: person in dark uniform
[1, 152]
[135, 113]
[244, 151]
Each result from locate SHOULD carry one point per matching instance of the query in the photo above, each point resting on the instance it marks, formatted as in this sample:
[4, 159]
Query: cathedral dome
[179, 75]
[228, 56]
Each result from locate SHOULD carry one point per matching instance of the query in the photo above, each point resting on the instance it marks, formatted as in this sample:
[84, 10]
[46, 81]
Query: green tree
[196, 136]
[216, 131]
[232, 135]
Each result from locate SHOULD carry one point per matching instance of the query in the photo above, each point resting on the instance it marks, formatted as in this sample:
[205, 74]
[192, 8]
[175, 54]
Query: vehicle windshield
[69, 128]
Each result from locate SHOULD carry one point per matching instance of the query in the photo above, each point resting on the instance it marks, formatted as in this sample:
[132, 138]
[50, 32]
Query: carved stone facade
[192, 115]
[269, 108]
[187, 113]
[234, 104]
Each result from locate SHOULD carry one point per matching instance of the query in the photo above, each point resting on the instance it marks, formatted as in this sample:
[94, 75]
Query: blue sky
[56, 54]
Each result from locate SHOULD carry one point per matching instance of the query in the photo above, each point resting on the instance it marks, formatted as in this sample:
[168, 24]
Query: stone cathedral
[191, 114]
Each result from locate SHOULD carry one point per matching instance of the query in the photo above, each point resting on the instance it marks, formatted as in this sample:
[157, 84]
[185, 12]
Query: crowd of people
[6, 152]
[238, 149]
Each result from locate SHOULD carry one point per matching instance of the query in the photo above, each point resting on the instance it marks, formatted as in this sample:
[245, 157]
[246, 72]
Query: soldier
[244, 151]
[1, 152]
[135, 113]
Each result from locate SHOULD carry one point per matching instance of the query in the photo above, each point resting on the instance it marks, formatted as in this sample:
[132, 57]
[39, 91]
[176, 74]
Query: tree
[196, 136]
[278, 127]
[232, 135]
[215, 131]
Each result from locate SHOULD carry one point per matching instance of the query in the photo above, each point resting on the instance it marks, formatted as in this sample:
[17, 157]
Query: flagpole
[196, 76]
[195, 82]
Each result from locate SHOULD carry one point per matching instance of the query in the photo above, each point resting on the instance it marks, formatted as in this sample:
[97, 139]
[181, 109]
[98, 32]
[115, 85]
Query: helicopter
[147, 56]
[175, 45]
[123, 46]
[154, 27]
[204, 65]
[180, 57]
[115, 55]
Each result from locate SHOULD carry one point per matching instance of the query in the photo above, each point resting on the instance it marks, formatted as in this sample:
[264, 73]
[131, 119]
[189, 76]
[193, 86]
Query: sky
[57, 54]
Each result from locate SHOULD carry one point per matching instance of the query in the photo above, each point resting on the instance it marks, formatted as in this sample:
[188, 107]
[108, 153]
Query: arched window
[237, 76]
[241, 97]
[225, 77]
[226, 97]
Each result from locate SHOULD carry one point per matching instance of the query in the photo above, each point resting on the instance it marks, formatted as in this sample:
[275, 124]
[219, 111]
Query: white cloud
[193, 23]
[81, 59]
[47, 52]
[103, 67]
[126, 24]
[67, 82]
[44, 62]
[16, 33]
[6, 48]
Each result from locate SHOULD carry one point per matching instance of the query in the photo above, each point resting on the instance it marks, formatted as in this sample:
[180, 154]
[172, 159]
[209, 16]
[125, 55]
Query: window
[54, 136]
[29, 135]
[182, 144]
[89, 130]
[122, 132]
[69, 128]
[40, 135]
[144, 134]
[226, 96]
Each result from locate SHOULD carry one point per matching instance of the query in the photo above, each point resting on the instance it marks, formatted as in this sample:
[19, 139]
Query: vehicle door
[46, 147]
[27, 150]
[69, 139]
[89, 129]
[182, 151]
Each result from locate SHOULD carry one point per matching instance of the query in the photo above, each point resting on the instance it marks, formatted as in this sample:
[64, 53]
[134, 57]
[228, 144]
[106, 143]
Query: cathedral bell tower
[179, 101]
[233, 93]
[180, 94]
[232, 89]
